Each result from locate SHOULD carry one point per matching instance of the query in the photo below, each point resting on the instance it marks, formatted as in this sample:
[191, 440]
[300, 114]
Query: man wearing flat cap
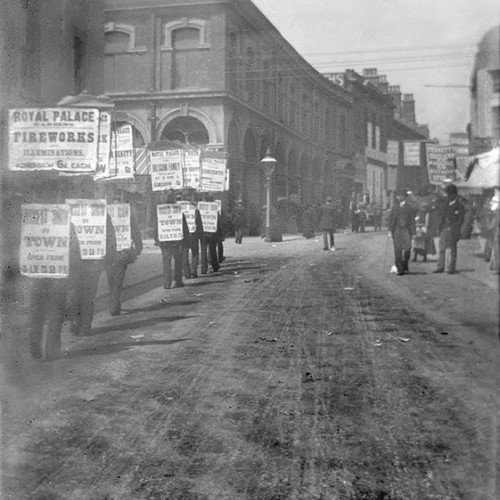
[401, 225]
[452, 218]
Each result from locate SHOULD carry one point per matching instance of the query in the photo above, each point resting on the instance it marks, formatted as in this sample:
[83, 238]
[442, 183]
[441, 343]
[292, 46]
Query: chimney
[370, 75]
[408, 108]
[395, 93]
[383, 85]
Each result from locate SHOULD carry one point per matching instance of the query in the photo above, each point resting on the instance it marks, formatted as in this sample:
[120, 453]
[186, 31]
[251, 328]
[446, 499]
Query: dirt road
[291, 374]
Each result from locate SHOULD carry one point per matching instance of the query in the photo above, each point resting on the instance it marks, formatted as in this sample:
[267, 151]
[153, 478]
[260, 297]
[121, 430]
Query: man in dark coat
[327, 224]
[238, 219]
[401, 225]
[452, 218]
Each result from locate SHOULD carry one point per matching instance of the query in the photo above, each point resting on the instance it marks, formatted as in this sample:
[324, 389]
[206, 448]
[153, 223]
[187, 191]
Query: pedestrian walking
[423, 240]
[191, 248]
[452, 218]
[238, 220]
[401, 226]
[354, 216]
[82, 293]
[171, 250]
[117, 268]
[327, 224]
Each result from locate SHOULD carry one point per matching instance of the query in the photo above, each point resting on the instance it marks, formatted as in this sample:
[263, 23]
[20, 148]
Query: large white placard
[104, 146]
[213, 174]
[208, 212]
[166, 169]
[121, 156]
[61, 139]
[440, 163]
[192, 169]
[45, 241]
[120, 217]
[169, 222]
[189, 211]
[89, 219]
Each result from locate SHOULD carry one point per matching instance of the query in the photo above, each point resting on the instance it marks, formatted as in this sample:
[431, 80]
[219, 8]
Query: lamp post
[268, 163]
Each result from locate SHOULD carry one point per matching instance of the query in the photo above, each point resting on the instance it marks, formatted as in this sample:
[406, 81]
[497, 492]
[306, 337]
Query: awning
[485, 170]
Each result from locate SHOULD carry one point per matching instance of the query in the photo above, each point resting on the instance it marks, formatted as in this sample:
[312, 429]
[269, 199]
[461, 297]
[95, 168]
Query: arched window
[187, 130]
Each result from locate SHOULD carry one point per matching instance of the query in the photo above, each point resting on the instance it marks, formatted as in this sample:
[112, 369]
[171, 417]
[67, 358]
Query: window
[185, 38]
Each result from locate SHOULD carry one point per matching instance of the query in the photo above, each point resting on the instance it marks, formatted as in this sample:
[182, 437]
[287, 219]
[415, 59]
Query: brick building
[218, 74]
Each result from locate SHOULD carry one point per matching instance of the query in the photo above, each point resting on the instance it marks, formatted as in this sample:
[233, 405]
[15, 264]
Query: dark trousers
[116, 274]
[169, 251]
[47, 315]
[209, 252]
[190, 257]
[82, 296]
[238, 235]
[220, 251]
[402, 249]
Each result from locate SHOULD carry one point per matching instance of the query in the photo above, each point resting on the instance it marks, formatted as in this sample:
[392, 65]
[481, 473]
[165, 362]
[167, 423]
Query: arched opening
[187, 130]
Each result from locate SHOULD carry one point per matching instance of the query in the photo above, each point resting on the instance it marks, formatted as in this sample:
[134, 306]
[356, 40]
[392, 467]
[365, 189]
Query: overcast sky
[415, 43]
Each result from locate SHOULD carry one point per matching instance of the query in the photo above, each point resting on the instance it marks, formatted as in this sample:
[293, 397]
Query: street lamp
[268, 163]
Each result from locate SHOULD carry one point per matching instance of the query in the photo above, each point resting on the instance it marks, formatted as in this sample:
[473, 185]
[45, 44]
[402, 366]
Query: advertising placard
[45, 239]
[166, 169]
[208, 212]
[411, 155]
[213, 174]
[120, 217]
[169, 222]
[192, 169]
[188, 209]
[60, 139]
[89, 219]
[393, 152]
[440, 163]
[103, 146]
[121, 157]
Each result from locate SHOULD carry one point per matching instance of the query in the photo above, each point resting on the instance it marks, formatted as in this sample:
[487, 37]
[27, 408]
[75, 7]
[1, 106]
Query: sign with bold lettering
[411, 155]
[121, 157]
[208, 212]
[440, 163]
[61, 139]
[192, 169]
[104, 146]
[213, 174]
[169, 222]
[188, 209]
[166, 170]
[120, 217]
[89, 219]
[45, 240]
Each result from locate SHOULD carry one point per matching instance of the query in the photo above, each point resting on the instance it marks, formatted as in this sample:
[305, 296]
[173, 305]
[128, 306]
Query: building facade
[219, 75]
[484, 128]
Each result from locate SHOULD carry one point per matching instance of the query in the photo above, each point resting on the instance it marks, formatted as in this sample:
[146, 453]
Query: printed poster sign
[213, 174]
[45, 240]
[208, 212]
[120, 217]
[169, 222]
[121, 156]
[188, 209]
[166, 169]
[440, 163]
[89, 219]
[60, 139]
[104, 146]
[411, 155]
[192, 169]
[393, 152]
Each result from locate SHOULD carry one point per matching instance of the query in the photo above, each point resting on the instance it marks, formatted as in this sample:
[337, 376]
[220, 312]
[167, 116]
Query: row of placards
[45, 231]
[80, 141]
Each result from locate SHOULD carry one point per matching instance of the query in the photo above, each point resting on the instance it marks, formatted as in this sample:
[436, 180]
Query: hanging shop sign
[411, 153]
[440, 163]
[60, 139]
[208, 212]
[45, 240]
[120, 217]
[166, 169]
[189, 211]
[213, 174]
[169, 222]
[89, 220]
